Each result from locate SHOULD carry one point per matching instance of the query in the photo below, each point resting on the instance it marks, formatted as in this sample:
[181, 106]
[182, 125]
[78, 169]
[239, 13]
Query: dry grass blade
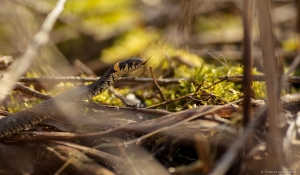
[226, 160]
[240, 78]
[292, 68]
[271, 73]
[186, 120]
[76, 161]
[247, 58]
[142, 127]
[99, 155]
[132, 164]
[162, 96]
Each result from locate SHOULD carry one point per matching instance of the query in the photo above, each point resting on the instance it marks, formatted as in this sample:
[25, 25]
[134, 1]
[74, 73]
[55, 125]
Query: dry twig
[39, 40]
[240, 78]
[162, 96]
[82, 79]
[142, 127]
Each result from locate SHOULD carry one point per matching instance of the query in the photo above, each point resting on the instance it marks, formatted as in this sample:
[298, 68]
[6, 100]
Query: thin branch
[240, 78]
[82, 79]
[99, 155]
[292, 68]
[127, 109]
[84, 68]
[185, 96]
[162, 96]
[31, 92]
[120, 96]
[26, 90]
[191, 97]
[220, 80]
[4, 113]
[39, 40]
[170, 101]
[139, 140]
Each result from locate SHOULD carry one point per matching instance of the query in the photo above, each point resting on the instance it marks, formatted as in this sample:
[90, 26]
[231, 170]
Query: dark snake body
[31, 116]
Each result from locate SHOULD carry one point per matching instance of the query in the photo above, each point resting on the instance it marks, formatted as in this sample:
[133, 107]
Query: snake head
[129, 65]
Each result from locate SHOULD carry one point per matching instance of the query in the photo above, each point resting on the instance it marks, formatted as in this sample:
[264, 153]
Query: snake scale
[31, 116]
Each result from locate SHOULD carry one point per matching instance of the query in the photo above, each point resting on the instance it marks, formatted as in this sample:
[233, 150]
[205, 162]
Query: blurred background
[193, 41]
[101, 32]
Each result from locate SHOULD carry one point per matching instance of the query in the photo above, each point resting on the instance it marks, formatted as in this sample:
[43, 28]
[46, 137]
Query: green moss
[107, 98]
[16, 105]
[212, 92]
[290, 44]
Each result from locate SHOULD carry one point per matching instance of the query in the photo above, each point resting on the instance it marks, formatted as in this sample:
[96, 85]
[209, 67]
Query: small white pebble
[171, 169]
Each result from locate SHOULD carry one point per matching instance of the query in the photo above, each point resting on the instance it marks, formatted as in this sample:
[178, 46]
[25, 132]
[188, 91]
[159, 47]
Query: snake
[31, 116]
